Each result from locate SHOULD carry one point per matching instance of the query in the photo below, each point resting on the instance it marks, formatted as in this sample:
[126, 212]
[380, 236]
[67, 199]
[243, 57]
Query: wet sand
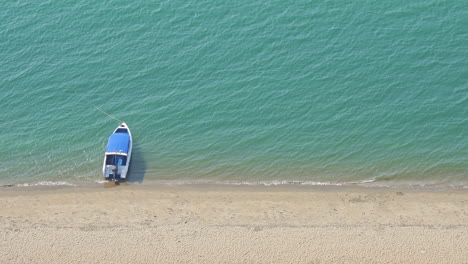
[232, 224]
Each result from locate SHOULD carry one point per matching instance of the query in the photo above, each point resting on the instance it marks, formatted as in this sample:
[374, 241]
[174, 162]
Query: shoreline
[292, 184]
[232, 224]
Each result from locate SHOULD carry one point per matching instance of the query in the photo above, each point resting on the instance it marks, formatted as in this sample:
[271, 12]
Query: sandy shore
[232, 224]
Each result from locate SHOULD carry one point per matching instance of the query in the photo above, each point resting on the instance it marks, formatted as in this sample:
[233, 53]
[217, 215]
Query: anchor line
[120, 121]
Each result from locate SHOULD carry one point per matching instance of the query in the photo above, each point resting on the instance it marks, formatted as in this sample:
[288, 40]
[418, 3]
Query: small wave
[45, 183]
[102, 181]
[247, 183]
[275, 183]
[368, 181]
[365, 183]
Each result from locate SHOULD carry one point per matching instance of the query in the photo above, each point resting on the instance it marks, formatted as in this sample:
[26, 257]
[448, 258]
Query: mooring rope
[120, 121]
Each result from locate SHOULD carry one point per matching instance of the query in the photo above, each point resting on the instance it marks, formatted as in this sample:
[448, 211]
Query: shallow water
[214, 91]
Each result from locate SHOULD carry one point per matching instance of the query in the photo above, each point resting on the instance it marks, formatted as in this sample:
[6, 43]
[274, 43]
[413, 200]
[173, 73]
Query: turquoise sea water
[237, 91]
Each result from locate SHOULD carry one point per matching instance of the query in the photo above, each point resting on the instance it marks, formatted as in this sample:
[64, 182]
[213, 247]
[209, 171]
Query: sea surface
[237, 92]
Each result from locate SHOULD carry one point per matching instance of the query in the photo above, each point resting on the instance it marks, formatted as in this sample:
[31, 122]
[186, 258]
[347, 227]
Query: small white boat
[118, 153]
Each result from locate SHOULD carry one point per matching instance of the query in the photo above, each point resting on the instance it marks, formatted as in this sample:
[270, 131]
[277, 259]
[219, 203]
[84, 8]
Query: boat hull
[118, 154]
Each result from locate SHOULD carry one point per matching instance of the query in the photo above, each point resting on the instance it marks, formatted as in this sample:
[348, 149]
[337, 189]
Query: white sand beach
[232, 224]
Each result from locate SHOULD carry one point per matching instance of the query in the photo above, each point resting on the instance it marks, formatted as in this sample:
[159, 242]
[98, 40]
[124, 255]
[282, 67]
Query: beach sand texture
[232, 224]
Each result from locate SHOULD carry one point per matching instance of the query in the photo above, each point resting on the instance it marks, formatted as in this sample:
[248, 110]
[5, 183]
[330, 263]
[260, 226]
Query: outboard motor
[115, 170]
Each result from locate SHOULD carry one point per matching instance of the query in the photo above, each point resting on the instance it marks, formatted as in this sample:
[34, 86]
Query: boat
[118, 154]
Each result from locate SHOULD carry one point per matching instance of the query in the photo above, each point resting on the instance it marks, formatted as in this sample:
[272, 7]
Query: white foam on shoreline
[46, 183]
[275, 183]
[365, 183]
